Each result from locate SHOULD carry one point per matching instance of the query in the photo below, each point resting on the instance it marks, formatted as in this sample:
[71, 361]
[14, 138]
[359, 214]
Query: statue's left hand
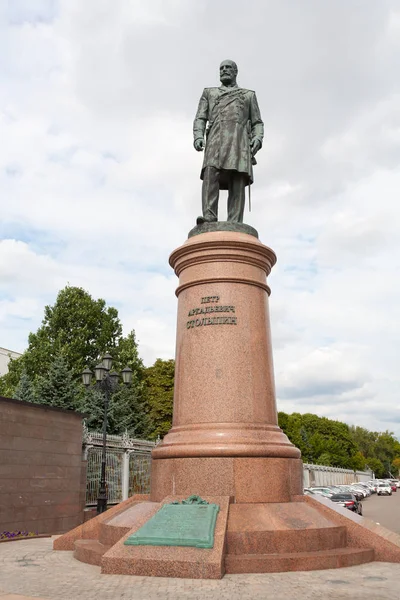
[255, 146]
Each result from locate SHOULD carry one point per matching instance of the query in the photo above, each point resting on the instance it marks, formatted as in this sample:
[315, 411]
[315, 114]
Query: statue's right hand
[199, 144]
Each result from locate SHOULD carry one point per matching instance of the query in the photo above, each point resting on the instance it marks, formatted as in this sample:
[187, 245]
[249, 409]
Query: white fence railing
[318, 475]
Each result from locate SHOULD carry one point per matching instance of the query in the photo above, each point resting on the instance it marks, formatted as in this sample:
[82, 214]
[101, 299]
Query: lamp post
[107, 383]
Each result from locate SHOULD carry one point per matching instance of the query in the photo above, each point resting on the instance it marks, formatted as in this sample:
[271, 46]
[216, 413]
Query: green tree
[320, 439]
[58, 387]
[129, 411]
[291, 426]
[376, 466]
[126, 354]
[386, 449]
[25, 390]
[324, 459]
[159, 382]
[128, 408]
[77, 327]
[358, 462]
[363, 438]
[396, 465]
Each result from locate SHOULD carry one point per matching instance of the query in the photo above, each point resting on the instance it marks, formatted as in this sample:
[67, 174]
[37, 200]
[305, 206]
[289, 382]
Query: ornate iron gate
[113, 475]
[139, 473]
[127, 466]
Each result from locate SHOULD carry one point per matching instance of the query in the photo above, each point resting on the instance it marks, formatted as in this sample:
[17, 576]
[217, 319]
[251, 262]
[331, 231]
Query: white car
[383, 489]
[324, 491]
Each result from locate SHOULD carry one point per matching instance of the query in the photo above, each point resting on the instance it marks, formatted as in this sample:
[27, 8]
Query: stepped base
[297, 561]
[249, 538]
[280, 528]
[90, 551]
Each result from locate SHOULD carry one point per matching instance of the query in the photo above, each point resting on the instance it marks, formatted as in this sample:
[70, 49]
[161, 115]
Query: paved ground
[384, 510]
[30, 569]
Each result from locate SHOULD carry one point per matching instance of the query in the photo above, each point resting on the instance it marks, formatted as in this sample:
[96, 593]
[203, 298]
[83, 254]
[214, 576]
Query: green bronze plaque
[191, 523]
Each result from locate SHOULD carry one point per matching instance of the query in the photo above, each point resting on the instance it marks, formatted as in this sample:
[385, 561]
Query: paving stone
[31, 570]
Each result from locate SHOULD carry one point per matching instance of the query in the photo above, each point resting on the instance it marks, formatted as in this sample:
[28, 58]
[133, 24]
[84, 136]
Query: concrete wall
[42, 476]
[319, 475]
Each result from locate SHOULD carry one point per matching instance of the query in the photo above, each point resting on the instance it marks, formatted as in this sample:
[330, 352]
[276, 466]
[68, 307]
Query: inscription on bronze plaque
[191, 523]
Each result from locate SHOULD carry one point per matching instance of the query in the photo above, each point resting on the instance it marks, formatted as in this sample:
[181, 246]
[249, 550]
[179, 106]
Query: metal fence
[128, 464]
[139, 472]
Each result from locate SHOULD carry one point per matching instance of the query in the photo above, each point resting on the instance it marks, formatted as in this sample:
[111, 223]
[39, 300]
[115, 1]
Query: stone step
[113, 529]
[89, 551]
[286, 541]
[297, 561]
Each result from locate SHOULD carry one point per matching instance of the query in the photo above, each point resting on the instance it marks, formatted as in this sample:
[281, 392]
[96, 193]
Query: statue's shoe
[201, 220]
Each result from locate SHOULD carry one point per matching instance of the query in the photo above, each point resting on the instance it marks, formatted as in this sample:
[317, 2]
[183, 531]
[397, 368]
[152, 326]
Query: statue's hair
[232, 63]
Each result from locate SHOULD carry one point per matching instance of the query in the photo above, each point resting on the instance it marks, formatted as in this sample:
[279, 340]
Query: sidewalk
[31, 570]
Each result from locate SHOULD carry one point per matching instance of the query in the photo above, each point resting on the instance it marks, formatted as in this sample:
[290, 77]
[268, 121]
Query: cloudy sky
[99, 181]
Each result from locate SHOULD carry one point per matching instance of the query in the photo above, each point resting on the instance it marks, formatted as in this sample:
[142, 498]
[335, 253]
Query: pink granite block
[280, 528]
[112, 530]
[297, 561]
[90, 529]
[250, 479]
[262, 480]
[361, 532]
[187, 476]
[296, 477]
[89, 551]
[171, 561]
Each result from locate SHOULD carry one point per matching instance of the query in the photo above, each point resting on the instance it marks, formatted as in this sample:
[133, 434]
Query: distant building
[5, 356]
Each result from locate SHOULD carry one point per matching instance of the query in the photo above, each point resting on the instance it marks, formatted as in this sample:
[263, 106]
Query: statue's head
[227, 72]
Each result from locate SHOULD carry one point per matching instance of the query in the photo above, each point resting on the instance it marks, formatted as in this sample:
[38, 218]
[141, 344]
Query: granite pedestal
[225, 444]
[225, 437]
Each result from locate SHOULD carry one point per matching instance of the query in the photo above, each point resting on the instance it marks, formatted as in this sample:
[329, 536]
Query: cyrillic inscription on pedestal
[209, 310]
[191, 523]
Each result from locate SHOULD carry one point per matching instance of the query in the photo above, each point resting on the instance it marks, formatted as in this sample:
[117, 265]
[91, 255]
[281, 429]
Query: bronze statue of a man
[234, 135]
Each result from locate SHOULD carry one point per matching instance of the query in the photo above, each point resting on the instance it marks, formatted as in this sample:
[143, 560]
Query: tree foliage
[129, 411]
[321, 440]
[77, 327]
[333, 443]
[396, 465]
[25, 389]
[58, 387]
[75, 333]
[159, 382]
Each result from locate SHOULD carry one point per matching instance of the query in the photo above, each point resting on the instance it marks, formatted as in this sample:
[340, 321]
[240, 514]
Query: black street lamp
[107, 383]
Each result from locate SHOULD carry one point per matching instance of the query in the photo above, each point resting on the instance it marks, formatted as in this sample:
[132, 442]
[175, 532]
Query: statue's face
[227, 72]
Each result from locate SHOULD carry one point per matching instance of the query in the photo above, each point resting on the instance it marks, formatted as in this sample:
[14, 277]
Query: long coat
[234, 120]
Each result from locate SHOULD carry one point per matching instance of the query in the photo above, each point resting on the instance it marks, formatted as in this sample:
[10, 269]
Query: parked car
[349, 501]
[335, 488]
[361, 488]
[371, 486]
[324, 491]
[366, 487]
[347, 488]
[384, 489]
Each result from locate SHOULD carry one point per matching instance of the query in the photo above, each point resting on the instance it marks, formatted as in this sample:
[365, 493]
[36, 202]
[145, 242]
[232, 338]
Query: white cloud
[99, 181]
